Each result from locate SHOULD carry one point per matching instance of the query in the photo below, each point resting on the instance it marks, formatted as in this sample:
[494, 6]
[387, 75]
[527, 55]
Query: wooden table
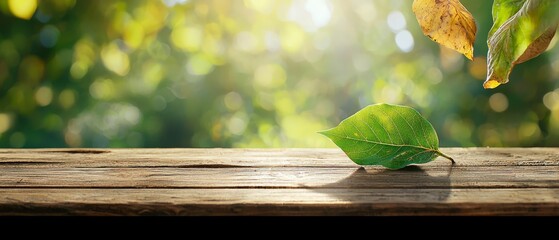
[484, 181]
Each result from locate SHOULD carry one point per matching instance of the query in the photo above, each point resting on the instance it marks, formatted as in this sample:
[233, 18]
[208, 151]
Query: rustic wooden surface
[484, 181]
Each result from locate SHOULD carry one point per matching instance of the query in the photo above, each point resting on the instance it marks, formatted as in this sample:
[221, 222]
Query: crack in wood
[27, 163]
[77, 151]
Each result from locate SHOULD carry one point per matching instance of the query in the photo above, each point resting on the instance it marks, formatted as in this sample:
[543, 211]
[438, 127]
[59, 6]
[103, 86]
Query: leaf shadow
[375, 182]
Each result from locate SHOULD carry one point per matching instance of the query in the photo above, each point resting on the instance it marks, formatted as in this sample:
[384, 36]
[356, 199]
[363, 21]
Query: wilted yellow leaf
[448, 23]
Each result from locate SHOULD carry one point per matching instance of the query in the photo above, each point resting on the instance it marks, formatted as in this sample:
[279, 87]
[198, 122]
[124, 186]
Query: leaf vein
[412, 129]
[396, 127]
[383, 128]
[382, 143]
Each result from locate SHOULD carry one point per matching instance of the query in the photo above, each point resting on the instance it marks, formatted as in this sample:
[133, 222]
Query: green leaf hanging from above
[522, 30]
[502, 11]
[389, 135]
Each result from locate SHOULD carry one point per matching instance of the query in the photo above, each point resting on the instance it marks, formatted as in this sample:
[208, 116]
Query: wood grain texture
[279, 202]
[284, 177]
[485, 181]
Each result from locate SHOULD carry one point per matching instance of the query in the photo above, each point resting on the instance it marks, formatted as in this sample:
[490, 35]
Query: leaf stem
[445, 156]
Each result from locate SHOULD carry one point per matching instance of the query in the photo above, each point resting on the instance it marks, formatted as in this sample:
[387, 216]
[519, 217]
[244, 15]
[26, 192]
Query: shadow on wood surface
[408, 180]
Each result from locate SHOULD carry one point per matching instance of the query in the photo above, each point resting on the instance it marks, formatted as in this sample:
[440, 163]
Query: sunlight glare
[318, 11]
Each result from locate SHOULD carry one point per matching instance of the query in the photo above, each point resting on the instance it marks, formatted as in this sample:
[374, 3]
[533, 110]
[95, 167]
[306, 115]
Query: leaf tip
[470, 54]
[324, 132]
[490, 84]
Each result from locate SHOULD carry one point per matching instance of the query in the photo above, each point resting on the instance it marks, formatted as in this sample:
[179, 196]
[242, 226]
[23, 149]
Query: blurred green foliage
[252, 73]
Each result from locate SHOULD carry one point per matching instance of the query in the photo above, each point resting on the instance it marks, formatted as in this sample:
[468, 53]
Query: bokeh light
[251, 73]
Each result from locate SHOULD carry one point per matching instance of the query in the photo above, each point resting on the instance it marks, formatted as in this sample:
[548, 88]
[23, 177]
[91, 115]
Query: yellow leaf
[448, 23]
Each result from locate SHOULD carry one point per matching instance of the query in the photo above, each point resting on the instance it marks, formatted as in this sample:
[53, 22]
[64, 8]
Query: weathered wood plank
[497, 181]
[284, 177]
[255, 157]
[278, 202]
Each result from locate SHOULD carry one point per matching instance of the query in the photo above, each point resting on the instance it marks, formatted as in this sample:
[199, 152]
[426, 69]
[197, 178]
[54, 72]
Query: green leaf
[521, 31]
[389, 135]
[502, 11]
